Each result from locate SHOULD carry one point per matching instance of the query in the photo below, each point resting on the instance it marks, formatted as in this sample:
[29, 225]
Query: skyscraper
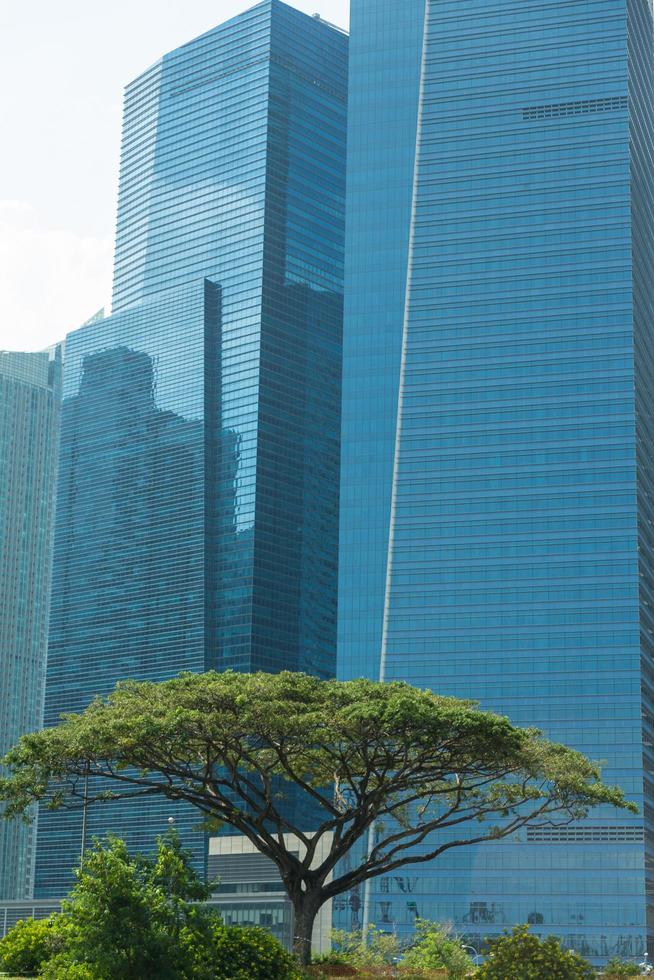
[496, 529]
[30, 389]
[198, 492]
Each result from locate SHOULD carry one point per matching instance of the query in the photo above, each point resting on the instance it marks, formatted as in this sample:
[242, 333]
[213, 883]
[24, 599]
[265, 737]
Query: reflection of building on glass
[132, 482]
[29, 421]
[128, 575]
[484, 912]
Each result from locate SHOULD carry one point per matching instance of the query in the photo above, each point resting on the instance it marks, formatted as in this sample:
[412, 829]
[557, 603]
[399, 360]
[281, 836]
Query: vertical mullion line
[398, 420]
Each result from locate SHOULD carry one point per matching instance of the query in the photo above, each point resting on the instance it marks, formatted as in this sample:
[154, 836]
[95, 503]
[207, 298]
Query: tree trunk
[304, 915]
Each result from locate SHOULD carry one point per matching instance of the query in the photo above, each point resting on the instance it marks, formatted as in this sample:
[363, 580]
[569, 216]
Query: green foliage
[62, 967]
[520, 955]
[379, 948]
[27, 946]
[621, 968]
[129, 918]
[435, 948]
[124, 915]
[243, 953]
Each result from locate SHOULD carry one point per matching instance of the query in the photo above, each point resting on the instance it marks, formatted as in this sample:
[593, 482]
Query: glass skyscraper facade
[198, 493]
[496, 527]
[30, 392]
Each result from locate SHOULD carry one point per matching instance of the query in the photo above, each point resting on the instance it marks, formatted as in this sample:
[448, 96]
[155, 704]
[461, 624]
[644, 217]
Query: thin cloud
[51, 280]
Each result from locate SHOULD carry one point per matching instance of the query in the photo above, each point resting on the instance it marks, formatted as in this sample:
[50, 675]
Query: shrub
[436, 949]
[379, 948]
[27, 946]
[129, 918]
[245, 953]
[621, 968]
[523, 956]
[331, 966]
[62, 967]
[123, 916]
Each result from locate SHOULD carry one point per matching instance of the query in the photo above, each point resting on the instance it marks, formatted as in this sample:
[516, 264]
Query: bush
[129, 918]
[523, 956]
[334, 970]
[436, 949]
[379, 948]
[245, 953]
[621, 968]
[124, 915]
[331, 966]
[62, 967]
[27, 946]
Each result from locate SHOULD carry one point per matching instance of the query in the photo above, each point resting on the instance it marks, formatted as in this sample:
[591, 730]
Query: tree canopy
[419, 773]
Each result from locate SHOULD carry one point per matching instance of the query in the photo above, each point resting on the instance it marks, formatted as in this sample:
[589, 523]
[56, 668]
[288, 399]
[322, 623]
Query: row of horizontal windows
[509, 394]
[138, 171]
[525, 259]
[404, 646]
[574, 108]
[421, 544]
[444, 61]
[497, 108]
[489, 419]
[499, 102]
[507, 139]
[545, 221]
[454, 154]
[513, 85]
[426, 347]
[594, 834]
[523, 27]
[421, 619]
[430, 490]
[606, 437]
[612, 567]
[526, 194]
[590, 365]
[477, 14]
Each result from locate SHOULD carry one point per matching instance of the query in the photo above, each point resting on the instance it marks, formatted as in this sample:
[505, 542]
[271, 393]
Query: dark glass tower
[496, 530]
[198, 491]
[30, 392]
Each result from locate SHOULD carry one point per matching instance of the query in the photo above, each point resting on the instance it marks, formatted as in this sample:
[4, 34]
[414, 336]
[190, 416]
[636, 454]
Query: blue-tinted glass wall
[513, 571]
[197, 521]
[385, 56]
[641, 165]
[30, 392]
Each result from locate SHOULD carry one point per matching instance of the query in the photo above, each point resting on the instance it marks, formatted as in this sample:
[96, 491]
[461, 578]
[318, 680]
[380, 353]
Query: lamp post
[475, 954]
[84, 813]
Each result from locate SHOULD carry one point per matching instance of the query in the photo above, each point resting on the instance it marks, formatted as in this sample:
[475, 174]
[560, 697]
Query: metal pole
[367, 887]
[84, 809]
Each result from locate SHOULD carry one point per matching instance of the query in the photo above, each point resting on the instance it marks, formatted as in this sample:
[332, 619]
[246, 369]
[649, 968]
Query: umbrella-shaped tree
[412, 773]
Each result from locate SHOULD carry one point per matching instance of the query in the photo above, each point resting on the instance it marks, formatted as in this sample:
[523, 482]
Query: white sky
[63, 66]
